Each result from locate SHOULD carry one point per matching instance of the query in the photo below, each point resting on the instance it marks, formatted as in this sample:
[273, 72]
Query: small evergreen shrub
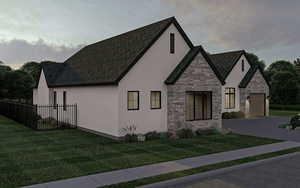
[185, 133]
[206, 132]
[130, 138]
[295, 121]
[233, 115]
[153, 135]
[165, 135]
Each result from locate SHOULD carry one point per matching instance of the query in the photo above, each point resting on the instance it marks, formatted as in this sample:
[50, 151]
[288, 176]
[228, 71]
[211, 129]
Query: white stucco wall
[42, 91]
[233, 80]
[34, 96]
[147, 75]
[97, 107]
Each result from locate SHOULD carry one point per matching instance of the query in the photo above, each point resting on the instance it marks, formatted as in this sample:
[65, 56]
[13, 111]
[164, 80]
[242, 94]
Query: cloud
[251, 24]
[17, 52]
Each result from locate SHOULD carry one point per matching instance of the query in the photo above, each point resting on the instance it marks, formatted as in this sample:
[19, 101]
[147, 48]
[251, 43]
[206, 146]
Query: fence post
[76, 115]
[57, 115]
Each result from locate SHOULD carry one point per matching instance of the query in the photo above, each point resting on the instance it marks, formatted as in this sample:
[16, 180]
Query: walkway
[118, 176]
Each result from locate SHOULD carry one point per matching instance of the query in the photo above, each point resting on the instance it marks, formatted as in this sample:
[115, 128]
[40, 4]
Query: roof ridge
[228, 52]
[133, 30]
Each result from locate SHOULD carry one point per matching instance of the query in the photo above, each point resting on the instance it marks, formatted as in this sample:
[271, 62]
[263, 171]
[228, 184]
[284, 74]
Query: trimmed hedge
[233, 115]
[295, 107]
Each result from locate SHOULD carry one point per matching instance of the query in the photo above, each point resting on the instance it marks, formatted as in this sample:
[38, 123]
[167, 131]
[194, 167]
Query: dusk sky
[36, 30]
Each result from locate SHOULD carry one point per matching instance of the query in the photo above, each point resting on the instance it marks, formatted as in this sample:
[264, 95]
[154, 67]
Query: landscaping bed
[30, 157]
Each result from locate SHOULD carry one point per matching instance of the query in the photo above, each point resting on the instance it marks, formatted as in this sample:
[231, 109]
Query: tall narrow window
[172, 43]
[54, 100]
[229, 98]
[65, 100]
[155, 100]
[198, 105]
[243, 65]
[133, 100]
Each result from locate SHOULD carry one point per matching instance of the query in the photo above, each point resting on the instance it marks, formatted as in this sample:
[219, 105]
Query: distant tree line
[284, 78]
[17, 84]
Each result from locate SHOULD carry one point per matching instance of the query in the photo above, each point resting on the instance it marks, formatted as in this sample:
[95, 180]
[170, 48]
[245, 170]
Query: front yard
[283, 113]
[28, 157]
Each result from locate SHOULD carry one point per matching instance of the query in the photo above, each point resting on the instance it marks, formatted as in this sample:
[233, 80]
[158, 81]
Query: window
[133, 100]
[155, 100]
[229, 98]
[172, 43]
[243, 65]
[54, 100]
[198, 106]
[65, 100]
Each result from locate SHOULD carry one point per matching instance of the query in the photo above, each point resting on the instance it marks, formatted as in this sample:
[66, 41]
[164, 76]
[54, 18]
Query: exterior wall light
[248, 97]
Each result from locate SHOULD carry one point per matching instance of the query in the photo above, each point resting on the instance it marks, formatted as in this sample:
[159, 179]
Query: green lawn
[29, 157]
[283, 113]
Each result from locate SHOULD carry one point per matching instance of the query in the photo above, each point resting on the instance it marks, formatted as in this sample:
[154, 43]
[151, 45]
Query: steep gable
[107, 62]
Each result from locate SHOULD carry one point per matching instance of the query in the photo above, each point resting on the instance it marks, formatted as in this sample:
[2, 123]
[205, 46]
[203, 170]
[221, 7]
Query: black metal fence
[41, 117]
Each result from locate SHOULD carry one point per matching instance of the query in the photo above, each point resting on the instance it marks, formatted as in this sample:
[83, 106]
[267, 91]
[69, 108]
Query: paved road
[264, 127]
[280, 172]
[277, 174]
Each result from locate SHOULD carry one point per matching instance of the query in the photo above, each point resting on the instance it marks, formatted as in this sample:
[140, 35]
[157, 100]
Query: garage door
[257, 105]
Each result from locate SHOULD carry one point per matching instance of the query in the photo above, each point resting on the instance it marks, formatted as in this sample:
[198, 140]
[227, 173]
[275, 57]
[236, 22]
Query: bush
[233, 115]
[295, 121]
[165, 135]
[206, 132]
[185, 133]
[130, 138]
[153, 135]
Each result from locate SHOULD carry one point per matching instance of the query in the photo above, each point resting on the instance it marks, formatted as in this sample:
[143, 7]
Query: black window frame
[54, 99]
[64, 100]
[159, 100]
[243, 65]
[194, 93]
[138, 101]
[229, 94]
[172, 43]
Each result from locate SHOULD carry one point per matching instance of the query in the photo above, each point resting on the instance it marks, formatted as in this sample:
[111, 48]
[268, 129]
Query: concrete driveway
[263, 127]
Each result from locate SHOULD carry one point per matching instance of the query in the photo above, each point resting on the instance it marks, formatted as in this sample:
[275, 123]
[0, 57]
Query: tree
[297, 65]
[32, 68]
[3, 71]
[284, 87]
[254, 60]
[18, 85]
[280, 66]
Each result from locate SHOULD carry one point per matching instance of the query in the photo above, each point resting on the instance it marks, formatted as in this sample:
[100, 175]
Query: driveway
[263, 127]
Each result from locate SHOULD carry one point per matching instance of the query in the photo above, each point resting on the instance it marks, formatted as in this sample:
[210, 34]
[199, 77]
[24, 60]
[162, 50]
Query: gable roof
[226, 61]
[107, 62]
[247, 78]
[51, 71]
[186, 61]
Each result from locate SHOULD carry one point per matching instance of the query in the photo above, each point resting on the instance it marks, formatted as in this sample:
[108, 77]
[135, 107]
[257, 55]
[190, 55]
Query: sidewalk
[118, 176]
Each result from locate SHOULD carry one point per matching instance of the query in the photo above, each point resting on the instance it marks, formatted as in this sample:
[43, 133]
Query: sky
[37, 30]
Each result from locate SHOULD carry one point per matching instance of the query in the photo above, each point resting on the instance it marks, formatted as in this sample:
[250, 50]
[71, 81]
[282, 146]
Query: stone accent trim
[197, 77]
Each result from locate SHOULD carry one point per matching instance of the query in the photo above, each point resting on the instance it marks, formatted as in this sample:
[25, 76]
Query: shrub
[185, 133]
[226, 115]
[233, 115]
[153, 135]
[205, 132]
[165, 135]
[130, 138]
[129, 132]
[295, 121]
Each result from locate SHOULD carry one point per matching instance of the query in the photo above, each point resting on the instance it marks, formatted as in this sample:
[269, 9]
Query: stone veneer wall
[197, 77]
[256, 85]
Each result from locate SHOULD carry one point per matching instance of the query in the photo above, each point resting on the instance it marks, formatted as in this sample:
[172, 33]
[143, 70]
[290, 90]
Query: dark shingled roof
[224, 62]
[186, 61]
[106, 62]
[247, 78]
[51, 71]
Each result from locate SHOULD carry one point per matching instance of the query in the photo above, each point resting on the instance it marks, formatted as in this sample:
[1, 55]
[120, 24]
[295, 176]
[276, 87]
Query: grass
[178, 174]
[283, 113]
[30, 157]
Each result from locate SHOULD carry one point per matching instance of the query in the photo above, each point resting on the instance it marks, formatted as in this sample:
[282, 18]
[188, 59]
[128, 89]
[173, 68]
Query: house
[152, 78]
[246, 88]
